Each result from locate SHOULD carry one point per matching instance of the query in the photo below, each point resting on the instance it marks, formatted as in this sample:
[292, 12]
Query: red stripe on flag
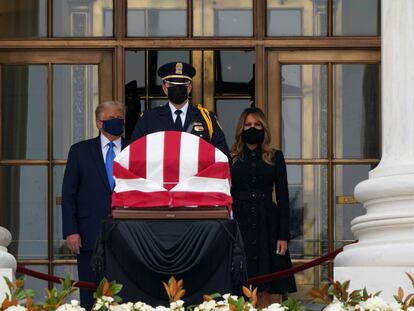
[172, 143]
[206, 155]
[138, 157]
[188, 198]
[217, 170]
[123, 173]
[137, 199]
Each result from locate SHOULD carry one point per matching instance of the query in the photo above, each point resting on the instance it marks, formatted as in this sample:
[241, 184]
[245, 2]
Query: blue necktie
[109, 161]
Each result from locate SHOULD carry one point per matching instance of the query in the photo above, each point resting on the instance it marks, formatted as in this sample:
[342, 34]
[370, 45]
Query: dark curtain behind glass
[14, 105]
[371, 97]
[23, 19]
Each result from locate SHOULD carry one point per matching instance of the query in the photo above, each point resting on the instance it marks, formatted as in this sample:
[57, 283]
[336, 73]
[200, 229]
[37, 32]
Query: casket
[171, 175]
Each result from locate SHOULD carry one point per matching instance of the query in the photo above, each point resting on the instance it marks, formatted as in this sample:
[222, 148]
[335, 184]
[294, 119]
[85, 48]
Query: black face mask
[177, 94]
[253, 136]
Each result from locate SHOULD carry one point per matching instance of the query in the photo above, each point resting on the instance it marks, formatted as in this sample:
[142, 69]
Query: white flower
[206, 306]
[98, 304]
[161, 308]
[410, 309]
[16, 308]
[274, 307]
[373, 304]
[395, 306]
[73, 306]
[103, 301]
[138, 305]
[142, 306]
[335, 306]
[122, 307]
[148, 308]
[107, 299]
[177, 305]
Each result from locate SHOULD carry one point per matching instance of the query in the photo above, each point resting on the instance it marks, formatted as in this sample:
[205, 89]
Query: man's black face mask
[177, 94]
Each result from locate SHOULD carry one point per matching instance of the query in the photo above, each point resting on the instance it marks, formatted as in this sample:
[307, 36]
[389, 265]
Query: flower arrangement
[107, 299]
[360, 299]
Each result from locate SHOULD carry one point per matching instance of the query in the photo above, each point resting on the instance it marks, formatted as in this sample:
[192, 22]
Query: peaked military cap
[177, 72]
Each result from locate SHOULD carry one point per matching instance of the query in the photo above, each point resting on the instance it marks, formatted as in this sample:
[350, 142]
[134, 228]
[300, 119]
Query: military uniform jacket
[160, 119]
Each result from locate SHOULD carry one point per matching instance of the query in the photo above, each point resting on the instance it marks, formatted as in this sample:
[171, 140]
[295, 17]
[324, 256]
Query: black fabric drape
[207, 254]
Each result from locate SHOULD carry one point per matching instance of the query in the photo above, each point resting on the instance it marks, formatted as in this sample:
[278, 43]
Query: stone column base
[9, 273]
[375, 279]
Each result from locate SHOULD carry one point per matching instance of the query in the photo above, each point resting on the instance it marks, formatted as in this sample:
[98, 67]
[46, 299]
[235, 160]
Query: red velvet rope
[52, 278]
[255, 280]
[281, 274]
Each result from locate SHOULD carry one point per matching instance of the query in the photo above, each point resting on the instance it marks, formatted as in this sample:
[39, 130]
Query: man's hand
[74, 243]
[282, 246]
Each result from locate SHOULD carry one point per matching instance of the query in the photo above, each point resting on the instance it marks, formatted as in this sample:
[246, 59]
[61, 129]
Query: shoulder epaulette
[206, 116]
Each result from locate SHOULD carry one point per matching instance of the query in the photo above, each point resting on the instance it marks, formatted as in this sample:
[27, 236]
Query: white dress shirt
[105, 147]
[183, 113]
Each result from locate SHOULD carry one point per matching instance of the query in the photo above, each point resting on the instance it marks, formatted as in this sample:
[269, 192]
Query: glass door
[47, 102]
[324, 112]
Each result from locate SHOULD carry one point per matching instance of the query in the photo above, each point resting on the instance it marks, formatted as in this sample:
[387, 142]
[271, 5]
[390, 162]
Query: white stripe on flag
[220, 156]
[137, 184]
[155, 158]
[123, 158]
[203, 184]
[188, 156]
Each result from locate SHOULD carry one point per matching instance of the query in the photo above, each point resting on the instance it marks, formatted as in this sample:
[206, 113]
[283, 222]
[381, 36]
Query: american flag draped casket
[172, 169]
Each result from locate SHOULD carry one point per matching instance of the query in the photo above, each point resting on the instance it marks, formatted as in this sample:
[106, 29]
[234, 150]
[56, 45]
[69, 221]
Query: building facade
[313, 66]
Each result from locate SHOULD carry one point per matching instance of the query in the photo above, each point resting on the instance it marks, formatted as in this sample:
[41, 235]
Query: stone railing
[8, 263]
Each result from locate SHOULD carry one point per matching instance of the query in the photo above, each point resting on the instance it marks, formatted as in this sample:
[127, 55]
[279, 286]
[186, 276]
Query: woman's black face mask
[177, 94]
[253, 136]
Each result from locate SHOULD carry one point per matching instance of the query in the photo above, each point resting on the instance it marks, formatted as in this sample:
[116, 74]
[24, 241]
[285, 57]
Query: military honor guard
[178, 114]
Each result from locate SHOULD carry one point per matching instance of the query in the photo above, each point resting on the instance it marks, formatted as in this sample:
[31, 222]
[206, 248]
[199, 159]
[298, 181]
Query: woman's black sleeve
[282, 196]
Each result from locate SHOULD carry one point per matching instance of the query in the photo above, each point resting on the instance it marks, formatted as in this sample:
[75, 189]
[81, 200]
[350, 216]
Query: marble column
[7, 261]
[385, 250]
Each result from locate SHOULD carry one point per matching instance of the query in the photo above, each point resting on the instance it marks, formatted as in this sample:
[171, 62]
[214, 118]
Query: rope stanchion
[253, 281]
[52, 278]
[281, 274]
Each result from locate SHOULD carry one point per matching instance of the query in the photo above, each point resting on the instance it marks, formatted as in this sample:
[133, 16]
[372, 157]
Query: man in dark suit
[178, 114]
[87, 188]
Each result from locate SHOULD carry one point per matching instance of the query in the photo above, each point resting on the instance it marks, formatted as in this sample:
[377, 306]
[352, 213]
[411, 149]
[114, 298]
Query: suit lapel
[123, 143]
[96, 151]
[192, 112]
[165, 118]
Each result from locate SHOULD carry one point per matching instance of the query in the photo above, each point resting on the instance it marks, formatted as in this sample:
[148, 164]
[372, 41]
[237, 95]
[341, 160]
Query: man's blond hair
[102, 106]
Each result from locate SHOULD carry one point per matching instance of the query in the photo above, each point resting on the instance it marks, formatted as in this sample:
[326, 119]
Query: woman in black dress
[256, 170]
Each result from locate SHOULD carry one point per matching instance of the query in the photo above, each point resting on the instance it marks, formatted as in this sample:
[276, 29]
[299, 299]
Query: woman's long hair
[237, 148]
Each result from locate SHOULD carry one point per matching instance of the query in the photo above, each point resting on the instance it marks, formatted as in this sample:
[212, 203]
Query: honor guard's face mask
[178, 94]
